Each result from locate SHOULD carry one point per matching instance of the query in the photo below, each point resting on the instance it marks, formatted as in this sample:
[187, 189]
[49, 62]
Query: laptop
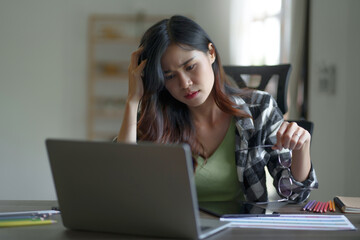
[142, 189]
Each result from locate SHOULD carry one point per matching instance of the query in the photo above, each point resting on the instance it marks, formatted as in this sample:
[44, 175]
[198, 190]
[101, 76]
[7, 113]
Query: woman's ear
[212, 54]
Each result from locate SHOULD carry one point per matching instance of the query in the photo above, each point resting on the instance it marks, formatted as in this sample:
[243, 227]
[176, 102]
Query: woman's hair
[164, 119]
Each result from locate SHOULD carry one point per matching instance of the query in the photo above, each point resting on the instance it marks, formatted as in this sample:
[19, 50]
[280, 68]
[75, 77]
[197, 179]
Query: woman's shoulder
[258, 103]
[262, 97]
[255, 97]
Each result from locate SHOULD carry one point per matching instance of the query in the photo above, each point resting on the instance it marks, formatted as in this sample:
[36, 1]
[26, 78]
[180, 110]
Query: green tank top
[217, 179]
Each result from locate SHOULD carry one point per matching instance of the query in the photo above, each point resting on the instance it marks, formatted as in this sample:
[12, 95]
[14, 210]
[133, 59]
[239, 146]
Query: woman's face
[188, 74]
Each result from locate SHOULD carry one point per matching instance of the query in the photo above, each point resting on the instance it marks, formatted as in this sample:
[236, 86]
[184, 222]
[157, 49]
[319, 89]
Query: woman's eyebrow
[182, 64]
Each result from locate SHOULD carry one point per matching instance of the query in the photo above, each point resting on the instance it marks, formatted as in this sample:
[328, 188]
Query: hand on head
[135, 71]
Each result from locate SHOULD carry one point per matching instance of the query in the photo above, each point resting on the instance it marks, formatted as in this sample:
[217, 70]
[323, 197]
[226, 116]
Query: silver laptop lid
[142, 189]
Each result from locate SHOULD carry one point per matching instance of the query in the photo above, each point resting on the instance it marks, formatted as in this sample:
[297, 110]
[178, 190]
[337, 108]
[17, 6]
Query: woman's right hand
[128, 130]
[135, 70]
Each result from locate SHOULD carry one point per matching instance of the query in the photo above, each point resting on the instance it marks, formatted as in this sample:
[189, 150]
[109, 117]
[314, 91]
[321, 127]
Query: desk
[57, 231]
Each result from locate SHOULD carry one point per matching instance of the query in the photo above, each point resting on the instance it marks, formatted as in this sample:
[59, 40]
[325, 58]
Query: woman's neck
[208, 113]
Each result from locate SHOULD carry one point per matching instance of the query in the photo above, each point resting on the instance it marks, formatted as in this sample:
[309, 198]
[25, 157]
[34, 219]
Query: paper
[295, 222]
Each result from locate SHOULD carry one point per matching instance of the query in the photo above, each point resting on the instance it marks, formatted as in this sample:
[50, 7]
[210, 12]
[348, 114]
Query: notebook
[137, 189]
[348, 204]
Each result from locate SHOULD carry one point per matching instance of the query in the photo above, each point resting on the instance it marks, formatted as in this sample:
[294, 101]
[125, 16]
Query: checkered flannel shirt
[261, 130]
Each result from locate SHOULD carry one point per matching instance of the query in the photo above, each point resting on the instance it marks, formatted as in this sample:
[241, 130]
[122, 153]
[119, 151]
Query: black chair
[266, 73]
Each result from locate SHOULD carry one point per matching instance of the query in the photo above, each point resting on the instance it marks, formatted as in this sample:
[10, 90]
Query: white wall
[335, 38]
[43, 46]
[31, 95]
[43, 83]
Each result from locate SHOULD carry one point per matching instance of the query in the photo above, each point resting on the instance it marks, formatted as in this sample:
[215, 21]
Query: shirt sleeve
[300, 190]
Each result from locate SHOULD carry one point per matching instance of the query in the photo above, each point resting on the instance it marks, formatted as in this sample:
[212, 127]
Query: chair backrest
[282, 71]
[266, 72]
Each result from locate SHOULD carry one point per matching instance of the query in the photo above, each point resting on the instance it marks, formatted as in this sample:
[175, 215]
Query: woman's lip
[191, 95]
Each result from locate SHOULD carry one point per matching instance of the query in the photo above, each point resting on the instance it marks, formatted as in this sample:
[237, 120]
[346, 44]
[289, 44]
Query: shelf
[108, 136]
[113, 114]
[111, 40]
[115, 77]
[118, 40]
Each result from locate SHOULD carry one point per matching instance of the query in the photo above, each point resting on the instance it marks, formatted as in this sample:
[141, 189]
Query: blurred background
[63, 70]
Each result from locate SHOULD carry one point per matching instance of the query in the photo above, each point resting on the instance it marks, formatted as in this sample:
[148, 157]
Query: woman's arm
[128, 130]
[294, 137]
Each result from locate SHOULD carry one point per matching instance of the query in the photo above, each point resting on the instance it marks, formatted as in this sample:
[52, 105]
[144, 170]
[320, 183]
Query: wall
[31, 95]
[335, 38]
[352, 156]
[43, 83]
[43, 46]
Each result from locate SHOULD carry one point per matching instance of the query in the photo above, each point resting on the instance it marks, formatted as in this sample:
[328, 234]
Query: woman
[177, 81]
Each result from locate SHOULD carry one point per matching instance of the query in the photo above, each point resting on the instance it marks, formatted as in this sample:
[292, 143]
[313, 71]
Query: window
[256, 36]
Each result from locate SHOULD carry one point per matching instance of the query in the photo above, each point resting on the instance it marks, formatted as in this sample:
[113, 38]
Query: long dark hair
[164, 119]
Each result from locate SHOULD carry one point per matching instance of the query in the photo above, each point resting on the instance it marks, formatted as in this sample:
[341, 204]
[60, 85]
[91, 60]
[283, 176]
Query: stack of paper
[294, 222]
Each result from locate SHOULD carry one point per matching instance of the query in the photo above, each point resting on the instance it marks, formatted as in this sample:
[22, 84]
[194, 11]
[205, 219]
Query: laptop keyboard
[204, 228]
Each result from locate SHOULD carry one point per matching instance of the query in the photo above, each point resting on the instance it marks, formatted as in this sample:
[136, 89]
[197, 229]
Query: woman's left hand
[291, 136]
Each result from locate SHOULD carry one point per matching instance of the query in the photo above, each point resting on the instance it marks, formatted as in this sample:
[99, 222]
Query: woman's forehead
[176, 56]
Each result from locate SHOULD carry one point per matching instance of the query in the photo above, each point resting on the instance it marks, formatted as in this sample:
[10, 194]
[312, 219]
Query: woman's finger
[136, 90]
[287, 135]
[135, 57]
[288, 138]
[296, 136]
[304, 137]
[279, 135]
[140, 68]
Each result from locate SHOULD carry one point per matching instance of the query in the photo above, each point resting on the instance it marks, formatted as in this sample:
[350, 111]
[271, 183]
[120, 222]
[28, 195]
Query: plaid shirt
[261, 129]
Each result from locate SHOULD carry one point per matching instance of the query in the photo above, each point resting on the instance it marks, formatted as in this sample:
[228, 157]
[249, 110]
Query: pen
[25, 223]
[322, 207]
[9, 218]
[310, 208]
[312, 204]
[326, 207]
[248, 215]
[319, 207]
[315, 207]
[330, 206]
[307, 205]
[30, 213]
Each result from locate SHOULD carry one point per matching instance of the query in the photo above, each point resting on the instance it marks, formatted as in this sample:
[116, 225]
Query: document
[294, 222]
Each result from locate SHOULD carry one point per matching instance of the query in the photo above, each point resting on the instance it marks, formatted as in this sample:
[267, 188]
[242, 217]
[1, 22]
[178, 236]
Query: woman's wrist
[132, 103]
[128, 130]
[301, 163]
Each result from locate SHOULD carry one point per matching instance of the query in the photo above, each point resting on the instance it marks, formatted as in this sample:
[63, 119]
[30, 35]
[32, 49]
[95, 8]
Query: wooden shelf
[107, 35]
[119, 40]
[115, 77]
[108, 114]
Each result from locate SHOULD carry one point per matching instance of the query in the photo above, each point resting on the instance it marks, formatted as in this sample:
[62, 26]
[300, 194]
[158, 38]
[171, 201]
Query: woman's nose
[184, 80]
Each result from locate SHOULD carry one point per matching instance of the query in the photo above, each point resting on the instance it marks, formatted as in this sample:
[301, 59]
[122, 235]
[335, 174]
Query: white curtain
[293, 50]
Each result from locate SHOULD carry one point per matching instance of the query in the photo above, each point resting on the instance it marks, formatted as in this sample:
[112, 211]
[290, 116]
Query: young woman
[178, 93]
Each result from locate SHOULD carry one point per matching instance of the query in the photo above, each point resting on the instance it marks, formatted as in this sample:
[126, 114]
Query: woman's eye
[168, 77]
[191, 67]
